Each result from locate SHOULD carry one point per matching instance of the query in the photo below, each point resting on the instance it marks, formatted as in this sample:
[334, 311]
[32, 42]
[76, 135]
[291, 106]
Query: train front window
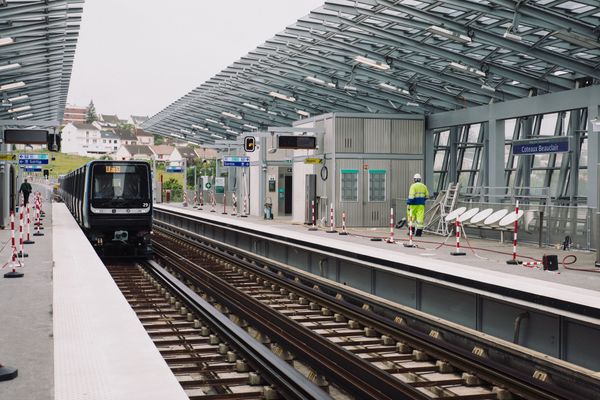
[119, 185]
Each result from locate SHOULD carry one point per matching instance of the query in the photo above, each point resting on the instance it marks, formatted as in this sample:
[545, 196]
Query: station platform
[485, 260]
[68, 329]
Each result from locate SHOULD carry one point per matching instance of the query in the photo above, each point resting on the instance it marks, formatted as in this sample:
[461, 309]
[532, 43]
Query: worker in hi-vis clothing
[417, 195]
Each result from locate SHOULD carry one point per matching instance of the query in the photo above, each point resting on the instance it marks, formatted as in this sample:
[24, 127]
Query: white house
[181, 153]
[144, 138]
[134, 152]
[111, 140]
[84, 140]
[162, 152]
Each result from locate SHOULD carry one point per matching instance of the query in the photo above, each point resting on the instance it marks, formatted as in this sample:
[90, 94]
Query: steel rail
[358, 376]
[287, 380]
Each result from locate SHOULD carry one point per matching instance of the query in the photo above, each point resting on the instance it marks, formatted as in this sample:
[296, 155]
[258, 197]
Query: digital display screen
[119, 169]
[297, 142]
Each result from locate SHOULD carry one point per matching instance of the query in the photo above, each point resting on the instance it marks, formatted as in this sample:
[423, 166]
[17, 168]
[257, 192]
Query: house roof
[134, 149]
[82, 126]
[139, 119]
[163, 149]
[124, 134]
[141, 132]
[206, 153]
[108, 135]
[187, 152]
[110, 119]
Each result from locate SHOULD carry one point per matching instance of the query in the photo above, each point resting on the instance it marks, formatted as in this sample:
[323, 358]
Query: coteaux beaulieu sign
[558, 145]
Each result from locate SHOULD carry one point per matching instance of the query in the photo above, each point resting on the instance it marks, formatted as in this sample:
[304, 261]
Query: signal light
[249, 144]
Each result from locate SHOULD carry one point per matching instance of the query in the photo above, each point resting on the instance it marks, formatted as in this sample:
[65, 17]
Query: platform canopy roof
[407, 56]
[37, 48]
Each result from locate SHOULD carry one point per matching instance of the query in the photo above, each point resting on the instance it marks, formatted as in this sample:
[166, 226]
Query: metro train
[112, 202]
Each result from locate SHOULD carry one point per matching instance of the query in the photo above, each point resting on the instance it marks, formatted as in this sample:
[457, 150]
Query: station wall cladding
[374, 157]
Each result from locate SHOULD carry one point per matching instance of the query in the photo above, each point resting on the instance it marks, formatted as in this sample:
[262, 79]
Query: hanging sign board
[313, 160]
[219, 185]
[543, 146]
[33, 159]
[236, 161]
[8, 157]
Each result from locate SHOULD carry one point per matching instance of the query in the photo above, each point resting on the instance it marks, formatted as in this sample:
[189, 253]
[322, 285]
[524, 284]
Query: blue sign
[174, 169]
[33, 169]
[541, 146]
[236, 161]
[32, 161]
[33, 156]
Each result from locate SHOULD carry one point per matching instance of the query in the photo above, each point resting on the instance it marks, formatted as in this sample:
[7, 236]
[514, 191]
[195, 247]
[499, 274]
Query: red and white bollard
[185, 199]
[344, 232]
[313, 226]
[534, 264]
[410, 230]
[37, 223]
[13, 258]
[224, 203]
[28, 240]
[213, 205]
[42, 213]
[391, 239]
[513, 260]
[331, 220]
[244, 214]
[458, 251]
[21, 253]
[234, 204]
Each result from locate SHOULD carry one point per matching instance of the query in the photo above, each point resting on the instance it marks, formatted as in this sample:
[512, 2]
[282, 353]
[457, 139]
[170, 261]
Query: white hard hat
[417, 176]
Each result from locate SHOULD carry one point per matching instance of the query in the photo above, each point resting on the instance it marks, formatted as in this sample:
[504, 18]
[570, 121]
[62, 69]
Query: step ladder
[443, 205]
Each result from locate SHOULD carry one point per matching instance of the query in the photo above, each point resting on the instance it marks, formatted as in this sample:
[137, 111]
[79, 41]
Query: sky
[138, 56]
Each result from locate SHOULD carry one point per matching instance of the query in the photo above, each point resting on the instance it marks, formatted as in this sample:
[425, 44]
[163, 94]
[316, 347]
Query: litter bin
[268, 209]
[168, 196]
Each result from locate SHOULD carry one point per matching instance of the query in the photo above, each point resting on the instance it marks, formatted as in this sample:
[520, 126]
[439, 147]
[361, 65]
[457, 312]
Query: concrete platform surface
[26, 318]
[485, 260]
[101, 349]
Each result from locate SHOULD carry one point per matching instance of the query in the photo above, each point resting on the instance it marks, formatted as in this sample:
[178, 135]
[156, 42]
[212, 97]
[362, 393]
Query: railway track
[209, 355]
[346, 342]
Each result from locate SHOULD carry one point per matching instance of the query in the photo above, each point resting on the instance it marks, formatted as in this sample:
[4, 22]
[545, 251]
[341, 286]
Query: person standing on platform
[26, 190]
[417, 195]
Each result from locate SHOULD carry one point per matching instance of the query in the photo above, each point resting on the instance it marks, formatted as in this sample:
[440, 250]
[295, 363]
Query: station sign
[206, 185]
[174, 169]
[219, 185]
[236, 161]
[543, 146]
[33, 168]
[8, 157]
[33, 159]
[313, 160]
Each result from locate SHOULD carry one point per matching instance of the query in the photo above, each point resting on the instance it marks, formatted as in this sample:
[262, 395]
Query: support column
[262, 174]
[453, 155]
[495, 155]
[4, 184]
[593, 158]
[428, 158]
[574, 154]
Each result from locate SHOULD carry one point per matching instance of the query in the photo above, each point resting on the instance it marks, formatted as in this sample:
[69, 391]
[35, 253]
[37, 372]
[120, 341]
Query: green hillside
[62, 163]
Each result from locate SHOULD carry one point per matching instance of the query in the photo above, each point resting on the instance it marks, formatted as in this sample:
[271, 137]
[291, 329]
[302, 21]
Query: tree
[90, 113]
[158, 140]
[176, 189]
